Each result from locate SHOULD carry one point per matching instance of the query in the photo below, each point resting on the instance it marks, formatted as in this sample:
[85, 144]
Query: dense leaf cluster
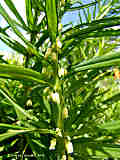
[62, 101]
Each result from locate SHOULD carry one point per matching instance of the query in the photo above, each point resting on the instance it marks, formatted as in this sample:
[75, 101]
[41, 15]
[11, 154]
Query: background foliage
[62, 101]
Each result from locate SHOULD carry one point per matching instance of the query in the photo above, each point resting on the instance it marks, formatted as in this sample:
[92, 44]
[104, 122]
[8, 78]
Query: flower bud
[55, 97]
[64, 157]
[29, 102]
[46, 90]
[65, 113]
[69, 146]
[48, 52]
[59, 44]
[44, 70]
[20, 86]
[54, 56]
[52, 144]
[58, 132]
[62, 72]
[60, 27]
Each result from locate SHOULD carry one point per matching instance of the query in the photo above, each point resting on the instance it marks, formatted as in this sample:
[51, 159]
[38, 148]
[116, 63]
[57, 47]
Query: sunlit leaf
[21, 73]
[51, 13]
[29, 14]
[10, 126]
[99, 62]
[11, 133]
[113, 125]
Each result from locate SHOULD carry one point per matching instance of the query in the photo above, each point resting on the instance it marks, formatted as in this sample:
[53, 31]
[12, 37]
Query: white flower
[48, 52]
[29, 102]
[69, 146]
[52, 144]
[55, 97]
[59, 44]
[64, 157]
[62, 72]
[58, 132]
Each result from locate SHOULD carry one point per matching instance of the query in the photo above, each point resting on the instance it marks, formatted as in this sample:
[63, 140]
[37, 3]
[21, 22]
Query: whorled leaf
[21, 73]
[107, 60]
[16, 30]
[15, 45]
[11, 6]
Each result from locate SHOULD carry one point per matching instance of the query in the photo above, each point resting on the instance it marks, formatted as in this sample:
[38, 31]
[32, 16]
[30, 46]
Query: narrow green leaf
[46, 131]
[35, 143]
[115, 62]
[94, 11]
[42, 39]
[105, 33]
[3, 30]
[113, 125]
[21, 26]
[85, 15]
[89, 15]
[47, 105]
[13, 44]
[11, 126]
[51, 13]
[104, 10]
[76, 40]
[29, 14]
[16, 31]
[113, 99]
[38, 143]
[12, 133]
[21, 73]
[11, 6]
[95, 150]
[91, 30]
[36, 146]
[10, 22]
[97, 23]
[94, 60]
[80, 17]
